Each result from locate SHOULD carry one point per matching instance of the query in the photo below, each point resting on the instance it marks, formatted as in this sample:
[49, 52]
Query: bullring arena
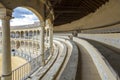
[16, 62]
[70, 40]
[25, 50]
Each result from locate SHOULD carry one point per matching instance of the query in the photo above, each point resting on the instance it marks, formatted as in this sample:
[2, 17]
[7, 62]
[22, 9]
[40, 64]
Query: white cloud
[22, 17]
[20, 21]
[29, 19]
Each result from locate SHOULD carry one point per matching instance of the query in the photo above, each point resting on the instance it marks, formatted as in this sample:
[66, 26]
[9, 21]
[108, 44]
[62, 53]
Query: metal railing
[23, 72]
[23, 55]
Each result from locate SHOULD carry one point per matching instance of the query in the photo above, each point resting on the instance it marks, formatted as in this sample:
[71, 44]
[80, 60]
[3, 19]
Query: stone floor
[86, 68]
[111, 55]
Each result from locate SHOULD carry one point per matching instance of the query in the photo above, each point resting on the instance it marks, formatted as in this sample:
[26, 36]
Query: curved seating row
[52, 73]
[43, 70]
[63, 63]
[69, 68]
[104, 69]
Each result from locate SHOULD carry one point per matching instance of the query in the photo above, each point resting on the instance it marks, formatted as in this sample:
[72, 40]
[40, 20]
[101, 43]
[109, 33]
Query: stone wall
[111, 28]
[109, 39]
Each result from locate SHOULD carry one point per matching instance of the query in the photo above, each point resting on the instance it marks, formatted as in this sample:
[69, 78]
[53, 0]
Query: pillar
[20, 43]
[15, 35]
[42, 44]
[24, 47]
[32, 50]
[33, 35]
[29, 47]
[46, 35]
[32, 43]
[37, 41]
[6, 48]
[51, 38]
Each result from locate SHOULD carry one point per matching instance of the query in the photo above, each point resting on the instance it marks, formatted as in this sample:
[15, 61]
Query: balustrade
[22, 43]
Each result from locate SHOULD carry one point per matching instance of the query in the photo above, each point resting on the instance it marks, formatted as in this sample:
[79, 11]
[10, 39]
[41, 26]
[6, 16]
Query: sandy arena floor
[16, 62]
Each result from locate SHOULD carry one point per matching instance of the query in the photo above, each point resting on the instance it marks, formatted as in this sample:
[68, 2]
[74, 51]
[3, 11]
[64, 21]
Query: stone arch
[39, 15]
[17, 44]
[22, 34]
[12, 34]
[41, 18]
[36, 6]
[13, 44]
[26, 34]
[17, 35]
[35, 33]
[26, 43]
[30, 34]
[38, 32]
[22, 43]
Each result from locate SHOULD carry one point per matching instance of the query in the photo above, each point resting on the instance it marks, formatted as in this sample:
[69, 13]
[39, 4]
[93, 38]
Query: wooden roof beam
[69, 11]
[97, 4]
[86, 6]
[90, 5]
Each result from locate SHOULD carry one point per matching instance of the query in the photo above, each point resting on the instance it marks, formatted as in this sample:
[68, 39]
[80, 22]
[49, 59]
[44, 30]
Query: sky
[22, 16]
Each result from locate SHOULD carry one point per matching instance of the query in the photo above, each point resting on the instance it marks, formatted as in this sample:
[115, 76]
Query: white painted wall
[109, 39]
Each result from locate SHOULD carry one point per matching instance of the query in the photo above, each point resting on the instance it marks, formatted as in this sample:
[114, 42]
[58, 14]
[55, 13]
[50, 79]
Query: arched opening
[17, 34]
[20, 25]
[17, 44]
[30, 33]
[23, 23]
[27, 22]
[25, 17]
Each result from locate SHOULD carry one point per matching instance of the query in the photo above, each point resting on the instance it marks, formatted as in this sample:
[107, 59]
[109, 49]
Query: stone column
[6, 49]
[24, 35]
[32, 43]
[51, 38]
[37, 42]
[15, 35]
[20, 34]
[24, 47]
[20, 44]
[42, 44]
[33, 35]
[46, 35]
[28, 48]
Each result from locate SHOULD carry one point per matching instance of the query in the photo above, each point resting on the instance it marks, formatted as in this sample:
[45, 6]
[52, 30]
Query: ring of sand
[16, 62]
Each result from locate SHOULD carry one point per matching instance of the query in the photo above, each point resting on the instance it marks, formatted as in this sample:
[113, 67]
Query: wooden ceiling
[67, 11]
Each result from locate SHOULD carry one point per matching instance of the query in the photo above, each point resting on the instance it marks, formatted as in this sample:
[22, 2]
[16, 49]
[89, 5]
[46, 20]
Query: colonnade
[29, 35]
